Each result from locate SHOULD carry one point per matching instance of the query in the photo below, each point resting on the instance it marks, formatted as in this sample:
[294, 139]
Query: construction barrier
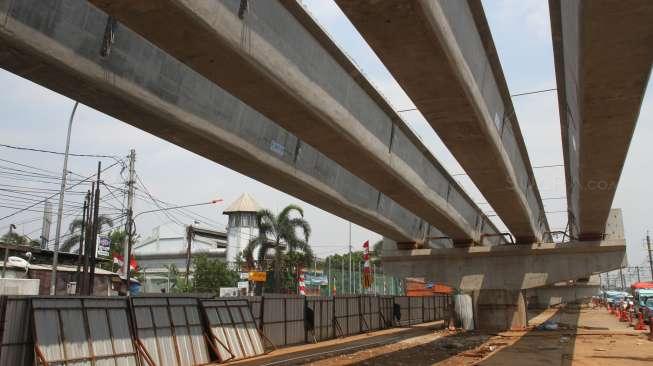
[192, 329]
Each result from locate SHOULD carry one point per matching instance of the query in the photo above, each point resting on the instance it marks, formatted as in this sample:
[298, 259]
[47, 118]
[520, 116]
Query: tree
[211, 274]
[75, 230]
[278, 235]
[14, 238]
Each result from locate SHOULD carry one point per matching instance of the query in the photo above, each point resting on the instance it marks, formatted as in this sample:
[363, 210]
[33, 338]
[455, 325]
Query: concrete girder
[442, 54]
[506, 267]
[603, 51]
[274, 57]
[57, 44]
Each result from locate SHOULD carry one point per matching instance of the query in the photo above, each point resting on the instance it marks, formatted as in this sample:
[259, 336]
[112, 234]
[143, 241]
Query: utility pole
[64, 174]
[351, 284]
[329, 279]
[650, 260]
[4, 266]
[94, 235]
[189, 237]
[127, 246]
[342, 273]
[621, 277]
[87, 242]
[638, 278]
[80, 250]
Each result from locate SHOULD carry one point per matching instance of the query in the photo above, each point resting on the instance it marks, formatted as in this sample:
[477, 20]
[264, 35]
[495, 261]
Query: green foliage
[278, 238]
[210, 274]
[75, 229]
[14, 239]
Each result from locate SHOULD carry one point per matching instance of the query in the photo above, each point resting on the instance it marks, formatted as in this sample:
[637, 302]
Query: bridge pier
[499, 309]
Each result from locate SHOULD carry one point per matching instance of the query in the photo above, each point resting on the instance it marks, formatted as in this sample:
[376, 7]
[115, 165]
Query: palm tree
[75, 229]
[277, 234]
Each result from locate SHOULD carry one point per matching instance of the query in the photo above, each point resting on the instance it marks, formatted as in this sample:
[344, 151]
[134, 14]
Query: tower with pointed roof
[242, 226]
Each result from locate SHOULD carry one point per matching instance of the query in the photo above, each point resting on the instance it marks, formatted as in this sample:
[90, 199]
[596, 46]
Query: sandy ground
[585, 337]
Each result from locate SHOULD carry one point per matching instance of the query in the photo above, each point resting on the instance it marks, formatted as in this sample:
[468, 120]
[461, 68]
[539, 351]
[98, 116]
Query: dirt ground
[585, 337]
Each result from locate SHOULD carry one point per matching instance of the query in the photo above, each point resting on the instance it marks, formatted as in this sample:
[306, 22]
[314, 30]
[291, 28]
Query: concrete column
[499, 309]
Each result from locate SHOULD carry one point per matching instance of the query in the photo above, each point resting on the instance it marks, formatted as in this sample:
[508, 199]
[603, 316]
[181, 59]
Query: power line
[60, 153]
[533, 92]
[56, 194]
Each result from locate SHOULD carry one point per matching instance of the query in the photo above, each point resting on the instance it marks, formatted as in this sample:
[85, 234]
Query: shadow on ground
[536, 347]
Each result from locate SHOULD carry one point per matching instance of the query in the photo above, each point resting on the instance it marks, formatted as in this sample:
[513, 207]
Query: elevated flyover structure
[57, 44]
[603, 54]
[443, 55]
[276, 59]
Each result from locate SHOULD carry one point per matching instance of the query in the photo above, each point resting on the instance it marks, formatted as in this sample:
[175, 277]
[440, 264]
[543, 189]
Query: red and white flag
[367, 272]
[119, 260]
[302, 286]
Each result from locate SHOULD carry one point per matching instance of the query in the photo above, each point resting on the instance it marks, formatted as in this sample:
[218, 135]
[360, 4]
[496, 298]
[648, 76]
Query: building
[33, 263]
[242, 226]
[166, 247]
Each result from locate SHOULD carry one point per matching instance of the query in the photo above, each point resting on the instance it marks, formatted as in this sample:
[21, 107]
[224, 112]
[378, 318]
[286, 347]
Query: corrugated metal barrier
[82, 331]
[173, 330]
[233, 328]
[170, 330]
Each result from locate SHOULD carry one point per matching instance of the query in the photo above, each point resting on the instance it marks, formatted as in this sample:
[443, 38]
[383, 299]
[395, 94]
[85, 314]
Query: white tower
[242, 226]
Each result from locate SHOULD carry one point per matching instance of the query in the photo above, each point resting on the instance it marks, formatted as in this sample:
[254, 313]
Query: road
[585, 337]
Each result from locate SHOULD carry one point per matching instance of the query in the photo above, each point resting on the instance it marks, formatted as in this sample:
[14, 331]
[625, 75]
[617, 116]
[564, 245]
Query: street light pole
[64, 173]
[130, 232]
[4, 266]
[650, 259]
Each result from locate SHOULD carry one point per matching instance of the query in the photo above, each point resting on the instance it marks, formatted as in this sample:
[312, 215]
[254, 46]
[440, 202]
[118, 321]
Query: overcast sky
[36, 117]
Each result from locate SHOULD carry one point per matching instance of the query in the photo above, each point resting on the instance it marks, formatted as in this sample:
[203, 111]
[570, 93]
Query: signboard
[314, 280]
[244, 276]
[103, 247]
[243, 286]
[228, 291]
[258, 276]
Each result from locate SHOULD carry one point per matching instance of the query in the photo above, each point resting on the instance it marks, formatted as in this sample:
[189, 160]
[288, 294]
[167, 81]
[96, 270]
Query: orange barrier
[640, 322]
[623, 315]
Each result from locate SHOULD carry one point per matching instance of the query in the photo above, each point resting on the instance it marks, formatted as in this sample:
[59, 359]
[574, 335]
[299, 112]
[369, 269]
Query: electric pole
[4, 266]
[351, 284]
[64, 174]
[80, 250]
[127, 246]
[95, 232]
[650, 260]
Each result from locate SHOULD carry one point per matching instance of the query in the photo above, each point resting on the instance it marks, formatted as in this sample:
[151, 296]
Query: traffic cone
[640, 322]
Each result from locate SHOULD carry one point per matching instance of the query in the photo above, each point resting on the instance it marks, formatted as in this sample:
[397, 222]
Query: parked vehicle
[641, 296]
[647, 309]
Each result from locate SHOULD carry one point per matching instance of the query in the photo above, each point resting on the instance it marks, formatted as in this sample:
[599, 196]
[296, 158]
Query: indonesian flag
[119, 260]
[367, 272]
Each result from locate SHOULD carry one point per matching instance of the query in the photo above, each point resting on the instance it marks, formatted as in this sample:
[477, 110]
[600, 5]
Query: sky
[35, 117]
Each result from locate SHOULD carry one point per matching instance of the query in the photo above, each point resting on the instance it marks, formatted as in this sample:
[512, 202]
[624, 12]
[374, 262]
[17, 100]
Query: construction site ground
[584, 337]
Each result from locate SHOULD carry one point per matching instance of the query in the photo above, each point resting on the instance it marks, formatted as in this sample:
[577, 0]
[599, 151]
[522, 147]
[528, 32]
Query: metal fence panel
[322, 307]
[232, 324]
[371, 312]
[17, 347]
[170, 330]
[69, 330]
[283, 319]
[386, 304]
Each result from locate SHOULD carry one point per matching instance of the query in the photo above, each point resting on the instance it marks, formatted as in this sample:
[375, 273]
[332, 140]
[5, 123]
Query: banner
[367, 272]
[258, 276]
[315, 280]
[103, 247]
